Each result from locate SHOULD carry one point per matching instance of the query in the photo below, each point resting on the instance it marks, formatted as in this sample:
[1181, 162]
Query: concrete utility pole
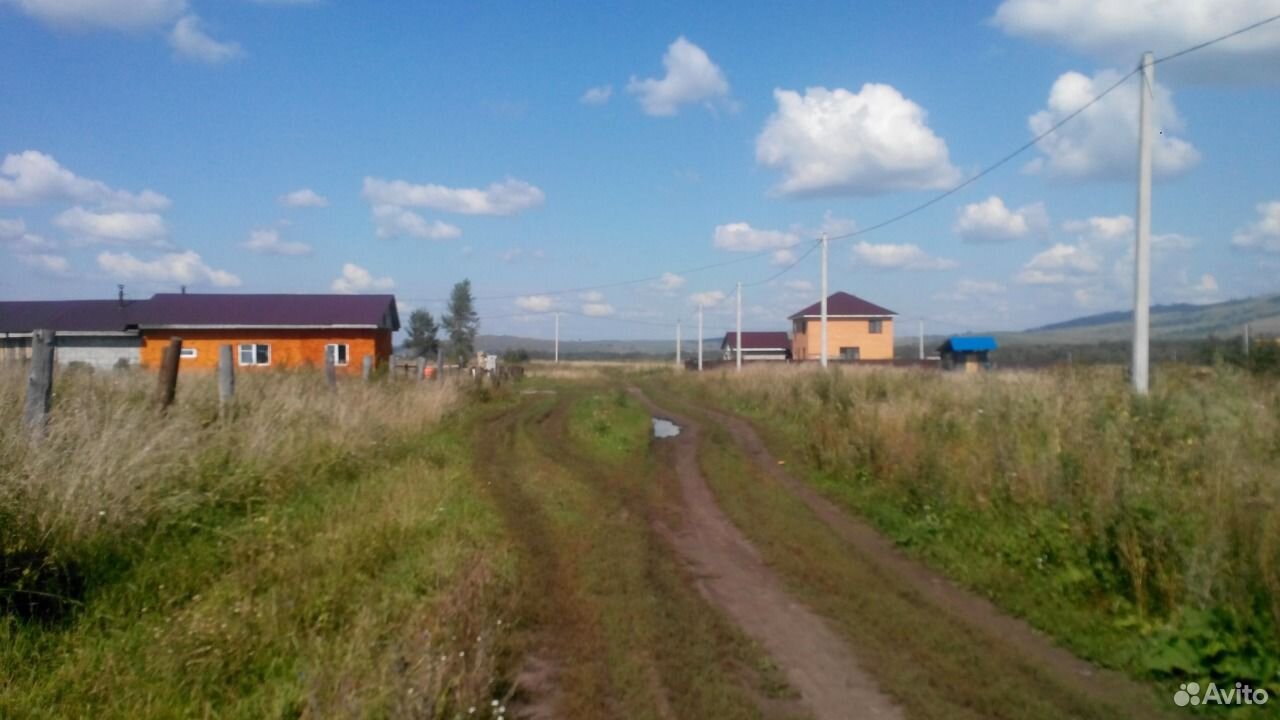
[1142, 251]
[699, 337]
[739, 341]
[557, 337]
[921, 339]
[825, 244]
[678, 363]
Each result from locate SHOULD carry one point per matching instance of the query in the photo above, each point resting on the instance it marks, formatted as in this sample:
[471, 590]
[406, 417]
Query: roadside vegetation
[1142, 533]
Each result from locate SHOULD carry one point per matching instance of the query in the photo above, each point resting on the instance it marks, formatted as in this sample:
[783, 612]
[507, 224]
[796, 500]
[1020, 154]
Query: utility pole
[699, 337]
[825, 244]
[739, 341]
[1246, 339]
[921, 339]
[678, 363]
[1142, 252]
[557, 337]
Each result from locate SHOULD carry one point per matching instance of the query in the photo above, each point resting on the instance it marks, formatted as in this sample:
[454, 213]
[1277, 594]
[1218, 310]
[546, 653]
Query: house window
[251, 354]
[849, 353]
[336, 352]
[876, 326]
[189, 353]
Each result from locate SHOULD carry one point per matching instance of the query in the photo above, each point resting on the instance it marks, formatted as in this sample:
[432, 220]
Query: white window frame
[189, 353]
[253, 358]
[346, 351]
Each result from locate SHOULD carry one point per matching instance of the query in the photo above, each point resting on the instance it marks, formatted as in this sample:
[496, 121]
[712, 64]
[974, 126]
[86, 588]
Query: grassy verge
[1144, 534]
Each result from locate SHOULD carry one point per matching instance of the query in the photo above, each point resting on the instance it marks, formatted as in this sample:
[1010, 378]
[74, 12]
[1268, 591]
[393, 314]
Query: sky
[543, 149]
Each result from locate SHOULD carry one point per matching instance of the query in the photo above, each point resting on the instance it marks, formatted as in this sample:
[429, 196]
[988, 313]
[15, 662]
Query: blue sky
[324, 146]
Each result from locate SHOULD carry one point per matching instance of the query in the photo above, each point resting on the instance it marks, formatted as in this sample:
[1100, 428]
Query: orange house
[266, 331]
[856, 330]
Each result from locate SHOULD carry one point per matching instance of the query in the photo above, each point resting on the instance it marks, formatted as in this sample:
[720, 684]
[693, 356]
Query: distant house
[756, 346]
[969, 354]
[263, 330]
[856, 330]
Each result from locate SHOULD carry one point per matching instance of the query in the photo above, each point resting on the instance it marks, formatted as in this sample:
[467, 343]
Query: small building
[756, 346]
[969, 353]
[856, 330]
[98, 333]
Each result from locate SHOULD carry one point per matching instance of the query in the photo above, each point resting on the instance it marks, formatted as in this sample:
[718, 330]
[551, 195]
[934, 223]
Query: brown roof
[758, 340]
[268, 310]
[104, 316]
[842, 303]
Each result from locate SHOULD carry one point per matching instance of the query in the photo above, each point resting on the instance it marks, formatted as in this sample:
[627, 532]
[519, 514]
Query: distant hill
[1168, 322]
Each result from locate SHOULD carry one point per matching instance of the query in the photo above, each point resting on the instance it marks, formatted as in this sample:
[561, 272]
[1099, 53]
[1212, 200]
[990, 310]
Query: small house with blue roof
[969, 353]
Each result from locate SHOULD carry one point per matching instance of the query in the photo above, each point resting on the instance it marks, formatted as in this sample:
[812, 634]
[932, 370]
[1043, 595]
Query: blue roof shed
[973, 343]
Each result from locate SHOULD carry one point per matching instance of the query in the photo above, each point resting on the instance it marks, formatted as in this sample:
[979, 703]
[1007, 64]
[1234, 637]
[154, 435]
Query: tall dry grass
[1158, 517]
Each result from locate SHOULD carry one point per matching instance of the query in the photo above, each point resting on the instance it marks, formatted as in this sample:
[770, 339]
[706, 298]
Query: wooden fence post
[39, 383]
[330, 372]
[419, 365]
[366, 367]
[226, 377]
[167, 387]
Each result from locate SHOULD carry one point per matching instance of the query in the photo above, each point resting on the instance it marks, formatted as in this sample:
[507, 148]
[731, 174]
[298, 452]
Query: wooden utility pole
[39, 383]
[226, 377]
[167, 387]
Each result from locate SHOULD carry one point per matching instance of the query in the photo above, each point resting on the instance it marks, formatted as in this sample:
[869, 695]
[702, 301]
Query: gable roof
[842, 303]
[173, 310]
[972, 343]
[757, 340]
[80, 316]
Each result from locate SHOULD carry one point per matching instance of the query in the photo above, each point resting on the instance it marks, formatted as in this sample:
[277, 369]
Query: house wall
[97, 351]
[289, 348]
[842, 332]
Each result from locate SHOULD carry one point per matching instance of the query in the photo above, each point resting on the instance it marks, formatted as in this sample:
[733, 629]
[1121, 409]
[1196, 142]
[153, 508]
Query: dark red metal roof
[757, 340]
[268, 310]
[842, 303]
[67, 315]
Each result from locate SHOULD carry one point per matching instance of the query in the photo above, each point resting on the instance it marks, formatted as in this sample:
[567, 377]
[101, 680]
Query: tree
[422, 340]
[462, 323]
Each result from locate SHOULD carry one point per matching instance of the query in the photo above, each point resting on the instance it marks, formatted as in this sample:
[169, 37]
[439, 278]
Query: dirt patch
[731, 573]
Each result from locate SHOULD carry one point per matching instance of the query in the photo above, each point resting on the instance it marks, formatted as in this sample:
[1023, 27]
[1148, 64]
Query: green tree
[422, 340]
[462, 323]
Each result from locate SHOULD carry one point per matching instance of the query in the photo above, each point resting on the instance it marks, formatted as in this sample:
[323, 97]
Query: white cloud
[592, 296]
[355, 279]
[191, 42]
[12, 228]
[597, 309]
[990, 221]
[670, 281]
[13, 233]
[507, 197]
[782, 257]
[535, 303]
[967, 290]
[125, 227]
[1207, 285]
[691, 77]
[305, 197]
[1116, 32]
[741, 237]
[907, 256]
[1059, 265]
[597, 95]
[711, 298]
[836, 142]
[179, 268]
[1101, 142]
[392, 221]
[103, 14]
[268, 242]
[1113, 227]
[47, 263]
[1262, 235]
[32, 177]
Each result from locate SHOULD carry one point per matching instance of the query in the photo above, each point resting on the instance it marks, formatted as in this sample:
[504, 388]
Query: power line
[1215, 41]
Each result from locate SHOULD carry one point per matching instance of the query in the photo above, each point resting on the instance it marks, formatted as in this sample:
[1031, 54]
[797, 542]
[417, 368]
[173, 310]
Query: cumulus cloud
[190, 41]
[122, 227]
[711, 298]
[906, 256]
[990, 221]
[1112, 227]
[101, 14]
[691, 77]
[592, 296]
[1101, 143]
[393, 221]
[46, 263]
[303, 198]
[597, 309]
[670, 281]
[13, 233]
[782, 257]
[184, 268]
[1116, 31]
[507, 197]
[1263, 235]
[268, 242]
[32, 177]
[597, 95]
[741, 237]
[835, 142]
[535, 303]
[1060, 264]
[355, 279]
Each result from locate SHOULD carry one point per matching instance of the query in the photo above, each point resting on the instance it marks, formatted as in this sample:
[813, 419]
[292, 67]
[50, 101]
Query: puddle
[665, 428]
